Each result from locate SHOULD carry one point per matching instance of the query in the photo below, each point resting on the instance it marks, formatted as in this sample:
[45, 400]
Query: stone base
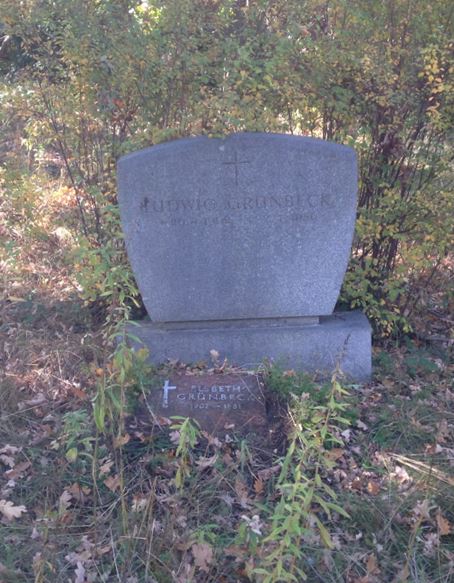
[303, 344]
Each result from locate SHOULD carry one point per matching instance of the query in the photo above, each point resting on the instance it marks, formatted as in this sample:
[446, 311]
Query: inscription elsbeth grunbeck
[234, 400]
[208, 397]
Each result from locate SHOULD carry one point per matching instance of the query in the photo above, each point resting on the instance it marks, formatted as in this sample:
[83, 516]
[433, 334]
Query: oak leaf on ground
[203, 556]
[10, 511]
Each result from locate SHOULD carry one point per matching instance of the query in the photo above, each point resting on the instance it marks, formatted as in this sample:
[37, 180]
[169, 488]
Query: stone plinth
[292, 343]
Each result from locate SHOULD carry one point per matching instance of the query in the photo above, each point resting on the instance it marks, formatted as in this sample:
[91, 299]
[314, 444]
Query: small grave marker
[220, 403]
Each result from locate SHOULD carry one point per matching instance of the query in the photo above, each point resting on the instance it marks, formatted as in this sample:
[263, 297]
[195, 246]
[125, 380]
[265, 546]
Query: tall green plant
[303, 493]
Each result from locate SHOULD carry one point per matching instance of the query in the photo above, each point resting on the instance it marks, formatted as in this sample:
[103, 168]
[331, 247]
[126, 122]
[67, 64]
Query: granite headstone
[241, 245]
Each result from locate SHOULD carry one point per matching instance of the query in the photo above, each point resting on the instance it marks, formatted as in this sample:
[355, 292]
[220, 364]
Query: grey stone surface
[218, 402]
[251, 226]
[241, 245]
[344, 337]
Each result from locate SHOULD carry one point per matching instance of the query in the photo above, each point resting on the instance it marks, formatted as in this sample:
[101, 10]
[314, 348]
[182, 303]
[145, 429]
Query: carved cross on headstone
[165, 397]
[236, 163]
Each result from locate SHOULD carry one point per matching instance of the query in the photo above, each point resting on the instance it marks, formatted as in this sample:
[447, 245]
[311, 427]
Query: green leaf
[338, 509]
[72, 454]
[99, 414]
[324, 534]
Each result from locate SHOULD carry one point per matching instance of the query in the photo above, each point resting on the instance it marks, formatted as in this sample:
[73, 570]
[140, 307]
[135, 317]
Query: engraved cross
[236, 163]
[165, 397]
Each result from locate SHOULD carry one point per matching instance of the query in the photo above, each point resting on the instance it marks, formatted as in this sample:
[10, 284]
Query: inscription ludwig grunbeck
[205, 212]
[270, 202]
[251, 226]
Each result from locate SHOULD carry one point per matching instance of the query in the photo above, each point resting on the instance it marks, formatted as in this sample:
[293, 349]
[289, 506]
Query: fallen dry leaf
[203, 555]
[35, 534]
[105, 467]
[163, 421]
[38, 400]
[229, 500]
[254, 523]
[64, 502]
[403, 575]
[268, 472]
[121, 440]
[242, 493]
[10, 511]
[444, 527]
[10, 449]
[206, 462]
[80, 573]
[258, 486]
[3, 569]
[334, 454]
[431, 544]
[112, 482]
[18, 470]
[373, 488]
[422, 509]
[79, 492]
[357, 483]
[79, 393]
[139, 503]
[7, 460]
[442, 431]
[212, 439]
[372, 565]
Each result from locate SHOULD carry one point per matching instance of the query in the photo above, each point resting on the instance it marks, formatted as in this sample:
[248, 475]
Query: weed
[303, 493]
[188, 434]
[286, 383]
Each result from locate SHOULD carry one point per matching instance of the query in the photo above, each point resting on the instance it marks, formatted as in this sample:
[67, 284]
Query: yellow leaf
[122, 440]
[71, 454]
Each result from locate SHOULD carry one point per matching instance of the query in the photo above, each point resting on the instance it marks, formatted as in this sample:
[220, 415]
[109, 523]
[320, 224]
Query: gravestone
[241, 245]
[219, 403]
